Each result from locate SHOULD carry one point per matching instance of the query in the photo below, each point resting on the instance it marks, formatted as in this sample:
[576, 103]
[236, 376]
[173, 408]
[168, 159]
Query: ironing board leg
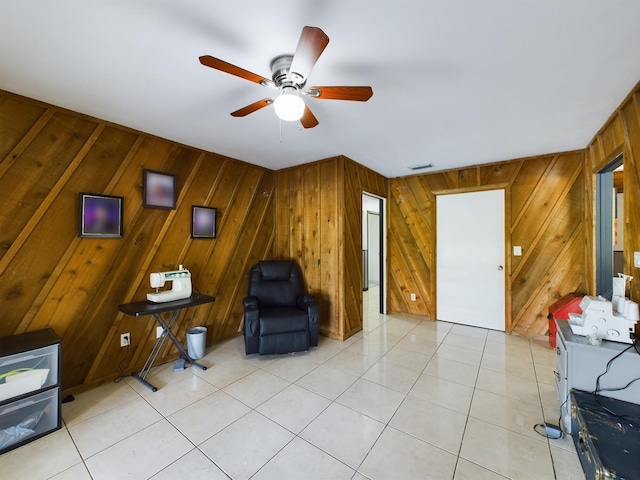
[166, 333]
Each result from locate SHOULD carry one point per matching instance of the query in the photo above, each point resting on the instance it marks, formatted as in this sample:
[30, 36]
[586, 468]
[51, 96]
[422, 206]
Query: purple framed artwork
[203, 222]
[100, 216]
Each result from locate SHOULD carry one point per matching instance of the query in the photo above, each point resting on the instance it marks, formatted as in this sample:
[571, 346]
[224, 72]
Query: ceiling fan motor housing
[282, 75]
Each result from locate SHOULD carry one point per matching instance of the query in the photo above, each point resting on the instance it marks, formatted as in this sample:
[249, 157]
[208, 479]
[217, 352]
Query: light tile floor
[405, 398]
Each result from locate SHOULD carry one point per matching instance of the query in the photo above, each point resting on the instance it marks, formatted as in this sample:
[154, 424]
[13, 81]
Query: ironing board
[139, 309]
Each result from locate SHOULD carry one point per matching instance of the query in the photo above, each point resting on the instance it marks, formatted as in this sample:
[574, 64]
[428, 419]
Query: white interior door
[470, 258]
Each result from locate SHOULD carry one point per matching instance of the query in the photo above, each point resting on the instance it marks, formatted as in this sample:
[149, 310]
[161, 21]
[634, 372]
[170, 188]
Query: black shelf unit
[30, 387]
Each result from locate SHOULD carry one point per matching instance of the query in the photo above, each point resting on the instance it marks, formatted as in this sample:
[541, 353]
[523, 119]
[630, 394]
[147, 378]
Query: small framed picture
[203, 222]
[100, 216]
[158, 189]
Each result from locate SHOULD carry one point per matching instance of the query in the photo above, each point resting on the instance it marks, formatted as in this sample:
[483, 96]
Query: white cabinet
[579, 365]
[29, 387]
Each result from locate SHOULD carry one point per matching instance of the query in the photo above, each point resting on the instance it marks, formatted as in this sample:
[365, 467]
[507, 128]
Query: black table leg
[166, 333]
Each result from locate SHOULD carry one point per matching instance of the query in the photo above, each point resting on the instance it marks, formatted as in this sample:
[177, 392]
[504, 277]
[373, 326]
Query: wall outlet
[125, 339]
[517, 251]
[413, 297]
[159, 331]
[636, 259]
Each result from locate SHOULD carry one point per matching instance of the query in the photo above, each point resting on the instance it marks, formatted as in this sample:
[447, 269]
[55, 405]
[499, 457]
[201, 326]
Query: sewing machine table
[139, 309]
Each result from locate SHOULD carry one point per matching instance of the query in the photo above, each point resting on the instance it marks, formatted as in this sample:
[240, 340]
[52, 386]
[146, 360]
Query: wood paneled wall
[319, 224]
[53, 278]
[621, 134]
[311, 213]
[544, 215]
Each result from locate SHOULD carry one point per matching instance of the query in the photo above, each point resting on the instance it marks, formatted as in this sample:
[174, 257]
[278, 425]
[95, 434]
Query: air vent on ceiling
[420, 167]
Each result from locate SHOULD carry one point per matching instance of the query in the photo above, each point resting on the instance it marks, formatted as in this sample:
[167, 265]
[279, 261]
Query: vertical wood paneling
[631, 125]
[468, 177]
[311, 227]
[329, 287]
[323, 200]
[621, 134]
[53, 278]
[296, 219]
[283, 216]
[308, 197]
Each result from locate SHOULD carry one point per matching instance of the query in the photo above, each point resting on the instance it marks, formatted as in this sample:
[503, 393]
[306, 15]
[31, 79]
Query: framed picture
[203, 222]
[100, 216]
[158, 189]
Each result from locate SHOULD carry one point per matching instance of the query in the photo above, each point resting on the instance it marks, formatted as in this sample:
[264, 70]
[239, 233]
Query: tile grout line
[466, 422]
[331, 401]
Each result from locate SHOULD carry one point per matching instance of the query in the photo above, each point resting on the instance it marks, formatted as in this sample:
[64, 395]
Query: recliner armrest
[251, 324]
[305, 301]
[308, 303]
[250, 302]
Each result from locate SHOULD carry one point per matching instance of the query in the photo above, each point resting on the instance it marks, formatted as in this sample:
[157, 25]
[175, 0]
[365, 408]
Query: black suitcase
[606, 432]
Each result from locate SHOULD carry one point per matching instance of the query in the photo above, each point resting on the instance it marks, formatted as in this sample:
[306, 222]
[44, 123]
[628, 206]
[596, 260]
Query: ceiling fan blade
[308, 119]
[213, 62]
[244, 111]
[310, 46]
[358, 94]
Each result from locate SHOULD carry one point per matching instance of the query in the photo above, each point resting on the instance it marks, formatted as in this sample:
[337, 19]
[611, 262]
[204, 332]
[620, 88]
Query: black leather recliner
[278, 316]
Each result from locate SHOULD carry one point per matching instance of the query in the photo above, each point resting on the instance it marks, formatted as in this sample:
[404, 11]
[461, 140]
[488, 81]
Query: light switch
[636, 259]
[517, 251]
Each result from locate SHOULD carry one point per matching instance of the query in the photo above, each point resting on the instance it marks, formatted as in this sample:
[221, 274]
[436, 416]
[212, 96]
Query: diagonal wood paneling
[544, 216]
[310, 213]
[410, 246]
[53, 278]
[351, 264]
[552, 262]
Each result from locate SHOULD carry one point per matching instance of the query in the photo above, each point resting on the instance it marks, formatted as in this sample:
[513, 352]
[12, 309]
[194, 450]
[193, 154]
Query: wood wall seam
[13, 155]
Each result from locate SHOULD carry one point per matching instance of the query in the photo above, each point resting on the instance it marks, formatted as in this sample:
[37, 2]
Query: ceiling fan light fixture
[289, 106]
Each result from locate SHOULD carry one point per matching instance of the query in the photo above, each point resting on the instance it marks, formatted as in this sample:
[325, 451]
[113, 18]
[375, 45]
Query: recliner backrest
[276, 283]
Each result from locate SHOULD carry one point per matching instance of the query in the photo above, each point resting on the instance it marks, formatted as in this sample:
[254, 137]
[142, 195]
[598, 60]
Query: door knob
[500, 267]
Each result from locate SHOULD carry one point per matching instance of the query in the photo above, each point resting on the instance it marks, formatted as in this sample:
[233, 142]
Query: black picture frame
[158, 189]
[203, 222]
[100, 216]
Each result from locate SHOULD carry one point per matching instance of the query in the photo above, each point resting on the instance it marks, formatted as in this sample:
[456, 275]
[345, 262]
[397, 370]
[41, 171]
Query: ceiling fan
[289, 74]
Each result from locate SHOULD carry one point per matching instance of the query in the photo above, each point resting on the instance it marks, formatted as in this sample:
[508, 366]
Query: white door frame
[383, 248]
[373, 223]
[505, 261]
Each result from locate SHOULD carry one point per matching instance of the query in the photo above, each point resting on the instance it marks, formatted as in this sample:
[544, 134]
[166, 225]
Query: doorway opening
[373, 252]
[609, 226]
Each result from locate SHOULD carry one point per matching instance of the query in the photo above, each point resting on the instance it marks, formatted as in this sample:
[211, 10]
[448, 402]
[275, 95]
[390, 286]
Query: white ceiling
[455, 82]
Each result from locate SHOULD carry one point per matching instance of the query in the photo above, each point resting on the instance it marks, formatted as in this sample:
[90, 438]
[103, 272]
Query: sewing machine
[598, 318]
[180, 285]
